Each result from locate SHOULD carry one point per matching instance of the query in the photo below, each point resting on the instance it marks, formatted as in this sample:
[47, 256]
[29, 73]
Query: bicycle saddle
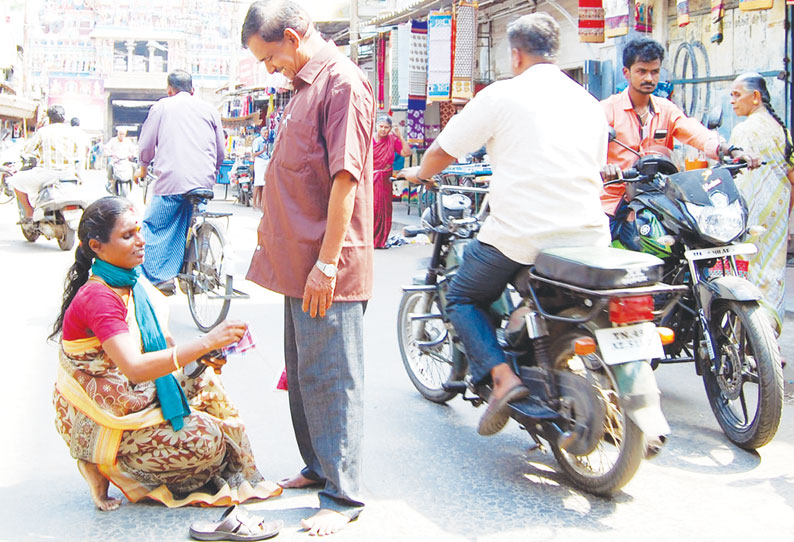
[200, 193]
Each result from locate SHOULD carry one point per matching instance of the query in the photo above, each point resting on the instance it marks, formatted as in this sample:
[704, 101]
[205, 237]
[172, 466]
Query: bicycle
[203, 276]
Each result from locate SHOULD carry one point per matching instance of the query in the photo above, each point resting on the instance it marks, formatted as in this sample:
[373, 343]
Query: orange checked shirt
[665, 115]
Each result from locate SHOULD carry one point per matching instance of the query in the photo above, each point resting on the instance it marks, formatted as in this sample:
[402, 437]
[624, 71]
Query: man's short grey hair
[535, 34]
[181, 81]
[268, 19]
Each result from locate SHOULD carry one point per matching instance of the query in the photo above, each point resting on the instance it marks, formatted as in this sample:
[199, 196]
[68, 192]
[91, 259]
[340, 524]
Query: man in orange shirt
[642, 121]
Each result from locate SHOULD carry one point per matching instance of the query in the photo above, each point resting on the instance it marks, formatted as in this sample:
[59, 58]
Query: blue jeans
[481, 280]
[325, 377]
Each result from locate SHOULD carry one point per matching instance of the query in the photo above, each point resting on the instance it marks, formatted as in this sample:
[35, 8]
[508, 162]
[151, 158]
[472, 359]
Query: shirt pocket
[299, 147]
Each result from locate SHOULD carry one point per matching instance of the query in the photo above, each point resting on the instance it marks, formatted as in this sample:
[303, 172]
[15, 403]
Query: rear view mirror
[612, 133]
[714, 118]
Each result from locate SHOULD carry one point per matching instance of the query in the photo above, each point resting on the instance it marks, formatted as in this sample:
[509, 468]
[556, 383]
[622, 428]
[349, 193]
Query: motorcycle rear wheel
[427, 367]
[209, 288]
[753, 376]
[618, 454]
[6, 192]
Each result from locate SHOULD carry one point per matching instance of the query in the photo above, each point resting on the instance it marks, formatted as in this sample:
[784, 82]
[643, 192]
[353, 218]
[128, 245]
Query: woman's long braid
[75, 278]
[786, 135]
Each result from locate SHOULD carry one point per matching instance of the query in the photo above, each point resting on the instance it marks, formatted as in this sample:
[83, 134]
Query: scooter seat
[200, 193]
[599, 268]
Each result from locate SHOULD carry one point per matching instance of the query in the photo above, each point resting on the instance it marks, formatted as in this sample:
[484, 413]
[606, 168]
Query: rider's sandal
[235, 524]
[498, 412]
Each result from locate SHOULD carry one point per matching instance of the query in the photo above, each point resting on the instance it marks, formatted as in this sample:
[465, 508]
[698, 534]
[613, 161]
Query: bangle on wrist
[173, 358]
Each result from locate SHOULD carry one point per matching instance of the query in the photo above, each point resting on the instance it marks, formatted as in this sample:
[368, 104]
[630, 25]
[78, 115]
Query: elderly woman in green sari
[124, 405]
[767, 189]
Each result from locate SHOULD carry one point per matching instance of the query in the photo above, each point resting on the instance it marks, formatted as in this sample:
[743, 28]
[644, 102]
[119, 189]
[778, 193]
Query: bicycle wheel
[209, 288]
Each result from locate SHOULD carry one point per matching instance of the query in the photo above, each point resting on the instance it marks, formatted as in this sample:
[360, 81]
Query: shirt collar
[309, 72]
[625, 102]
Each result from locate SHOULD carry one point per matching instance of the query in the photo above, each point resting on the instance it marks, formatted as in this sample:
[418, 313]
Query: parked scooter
[578, 329]
[57, 210]
[696, 221]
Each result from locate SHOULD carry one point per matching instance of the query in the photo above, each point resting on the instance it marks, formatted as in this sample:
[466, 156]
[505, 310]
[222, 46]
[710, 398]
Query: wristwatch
[328, 269]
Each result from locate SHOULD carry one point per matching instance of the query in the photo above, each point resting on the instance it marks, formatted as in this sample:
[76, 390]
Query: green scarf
[172, 399]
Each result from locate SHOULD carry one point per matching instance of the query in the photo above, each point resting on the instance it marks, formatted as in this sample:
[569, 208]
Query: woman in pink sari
[386, 142]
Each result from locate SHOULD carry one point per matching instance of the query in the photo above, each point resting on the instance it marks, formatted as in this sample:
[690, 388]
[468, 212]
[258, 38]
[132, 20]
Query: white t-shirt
[547, 140]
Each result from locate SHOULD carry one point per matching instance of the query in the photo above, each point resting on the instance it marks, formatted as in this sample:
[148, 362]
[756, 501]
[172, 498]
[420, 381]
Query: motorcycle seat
[599, 268]
[199, 193]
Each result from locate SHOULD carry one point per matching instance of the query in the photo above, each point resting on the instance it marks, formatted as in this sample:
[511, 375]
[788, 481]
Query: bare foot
[298, 481]
[98, 485]
[504, 380]
[325, 522]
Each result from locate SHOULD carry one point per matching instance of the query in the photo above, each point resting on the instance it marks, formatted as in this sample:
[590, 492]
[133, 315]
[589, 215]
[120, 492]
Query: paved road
[428, 475]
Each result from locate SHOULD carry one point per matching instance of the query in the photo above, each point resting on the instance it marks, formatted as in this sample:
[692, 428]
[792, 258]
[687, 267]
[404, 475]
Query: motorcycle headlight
[722, 224]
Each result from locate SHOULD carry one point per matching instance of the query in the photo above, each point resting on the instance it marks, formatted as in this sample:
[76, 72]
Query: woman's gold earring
[755, 102]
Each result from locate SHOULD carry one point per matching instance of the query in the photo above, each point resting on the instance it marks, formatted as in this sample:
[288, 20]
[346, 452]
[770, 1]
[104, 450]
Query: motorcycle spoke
[743, 403]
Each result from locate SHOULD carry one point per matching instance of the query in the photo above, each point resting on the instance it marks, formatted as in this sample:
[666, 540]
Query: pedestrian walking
[387, 141]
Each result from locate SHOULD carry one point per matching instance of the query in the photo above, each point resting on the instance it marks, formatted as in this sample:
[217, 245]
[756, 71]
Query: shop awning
[14, 107]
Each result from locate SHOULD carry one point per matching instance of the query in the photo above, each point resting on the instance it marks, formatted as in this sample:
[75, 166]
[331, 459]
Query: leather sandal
[235, 524]
[495, 418]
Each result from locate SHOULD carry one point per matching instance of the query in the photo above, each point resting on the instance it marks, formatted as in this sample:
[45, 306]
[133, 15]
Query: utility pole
[354, 31]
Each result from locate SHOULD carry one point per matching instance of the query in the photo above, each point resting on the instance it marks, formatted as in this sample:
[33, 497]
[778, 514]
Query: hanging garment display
[380, 51]
[643, 16]
[394, 70]
[464, 32]
[417, 84]
[616, 18]
[439, 55]
[717, 14]
[400, 43]
[752, 5]
[591, 21]
[682, 11]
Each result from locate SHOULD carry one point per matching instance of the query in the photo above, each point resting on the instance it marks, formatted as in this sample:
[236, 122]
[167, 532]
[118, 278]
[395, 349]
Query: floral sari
[107, 420]
[767, 191]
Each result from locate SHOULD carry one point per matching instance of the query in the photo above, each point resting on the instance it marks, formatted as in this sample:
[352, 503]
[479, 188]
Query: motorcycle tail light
[71, 208]
[666, 334]
[584, 346]
[628, 310]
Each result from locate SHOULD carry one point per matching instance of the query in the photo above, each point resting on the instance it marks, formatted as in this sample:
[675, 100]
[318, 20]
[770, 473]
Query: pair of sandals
[236, 524]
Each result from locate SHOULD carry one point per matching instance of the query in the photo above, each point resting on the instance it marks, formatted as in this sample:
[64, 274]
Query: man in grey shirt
[184, 137]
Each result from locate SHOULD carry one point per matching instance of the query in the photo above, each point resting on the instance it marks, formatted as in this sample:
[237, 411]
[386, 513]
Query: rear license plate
[629, 343]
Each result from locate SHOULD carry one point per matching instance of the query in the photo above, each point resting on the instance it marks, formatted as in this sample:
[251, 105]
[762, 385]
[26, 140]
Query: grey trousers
[325, 376]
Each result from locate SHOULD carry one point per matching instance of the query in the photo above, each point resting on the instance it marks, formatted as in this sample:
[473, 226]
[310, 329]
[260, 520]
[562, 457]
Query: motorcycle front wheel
[428, 366]
[745, 390]
[617, 456]
[209, 289]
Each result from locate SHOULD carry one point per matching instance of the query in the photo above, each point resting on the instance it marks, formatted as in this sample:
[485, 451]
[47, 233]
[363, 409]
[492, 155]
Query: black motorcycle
[577, 328]
[696, 221]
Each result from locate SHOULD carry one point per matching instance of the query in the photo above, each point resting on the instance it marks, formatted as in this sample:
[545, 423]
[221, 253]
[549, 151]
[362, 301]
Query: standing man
[547, 140]
[259, 151]
[638, 118]
[315, 247]
[82, 142]
[184, 137]
[56, 153]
